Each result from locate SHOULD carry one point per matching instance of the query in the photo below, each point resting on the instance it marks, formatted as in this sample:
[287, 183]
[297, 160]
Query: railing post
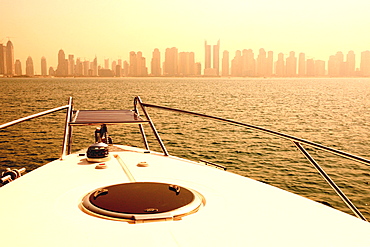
[141, 128]
[66, 148]
[330, 181]
[138, 100]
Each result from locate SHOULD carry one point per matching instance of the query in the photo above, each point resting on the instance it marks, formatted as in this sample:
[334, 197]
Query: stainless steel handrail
[271, 132]
[141, 128]
[296, 141]
[138, 100]
[330, 182]
[67, 132]
[33, 116]
[66, 147]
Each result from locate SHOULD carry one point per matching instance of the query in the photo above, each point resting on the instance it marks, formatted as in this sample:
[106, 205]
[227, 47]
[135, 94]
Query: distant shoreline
[200, 77]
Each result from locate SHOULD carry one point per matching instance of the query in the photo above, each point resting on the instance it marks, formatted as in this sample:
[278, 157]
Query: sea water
[330, 111]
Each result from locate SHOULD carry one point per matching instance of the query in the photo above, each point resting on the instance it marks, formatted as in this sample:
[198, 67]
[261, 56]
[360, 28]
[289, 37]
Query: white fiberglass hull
[43, 208]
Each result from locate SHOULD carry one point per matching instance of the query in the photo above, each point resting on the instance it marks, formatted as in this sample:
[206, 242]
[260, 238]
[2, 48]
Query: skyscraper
[43, 66]
[137, 65]
[207, 58]
[291, 65]
[51, 71]
[336, 65]
[198, 69]
[319, 68]
[2, 59]
[214, 69]
[249, 63]
[106, 63]
[71, 65]
[225, 64]
[114, 67]
[365, 63]
[18, 67]
[9, 58]
[280, 66]
[237, 64]
[142, 69]
[302, 65]
[269, 63]
[216, 58]
[186, 64]
[94, 67]
[79, 67]
[170, 67]
[350, 64]
[86, 68]
[126, 67]
[133, 64]
[61, 68]
[156, 63]
[310, 67]
[261, 63]
[29, 67]
[183, 64]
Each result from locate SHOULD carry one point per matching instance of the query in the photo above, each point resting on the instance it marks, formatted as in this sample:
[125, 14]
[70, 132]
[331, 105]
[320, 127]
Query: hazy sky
[113, 28]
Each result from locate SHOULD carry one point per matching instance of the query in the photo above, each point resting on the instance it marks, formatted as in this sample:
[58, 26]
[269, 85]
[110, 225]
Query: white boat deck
[238, 211]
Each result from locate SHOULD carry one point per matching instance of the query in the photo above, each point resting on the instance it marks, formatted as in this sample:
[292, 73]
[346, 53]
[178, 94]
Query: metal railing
[67, 131]
[66, 148]
[296, 141]
[137, 101]
[20, 120]
[67, 140]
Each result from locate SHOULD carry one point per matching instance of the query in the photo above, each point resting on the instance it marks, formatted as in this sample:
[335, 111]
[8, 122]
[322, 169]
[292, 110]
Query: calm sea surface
[332, 112]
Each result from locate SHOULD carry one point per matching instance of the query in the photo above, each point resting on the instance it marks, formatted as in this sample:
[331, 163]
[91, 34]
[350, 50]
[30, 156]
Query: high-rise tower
[18, 67]
[171, 62]
[186, 64]
[156, 63]
[9, 58]
[214, 69]
[261, 63]
[365, 63]
[207, 58]
[350, 64]
[291, 65]
[2, 59]
[216, 57]
[249, 63]
[62, 65]
[280, 65]
[43, 66]
[336, 65]
[237, 64]
[302, 65]
[133, 64]
[137, 65]
[29, 67]
[269, 63]
[225, 64]
[71, 65]
[310, 67]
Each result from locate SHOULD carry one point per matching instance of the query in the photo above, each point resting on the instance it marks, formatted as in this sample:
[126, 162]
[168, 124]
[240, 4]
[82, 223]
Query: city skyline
[112, 29]
[245, 63]
[200, 57]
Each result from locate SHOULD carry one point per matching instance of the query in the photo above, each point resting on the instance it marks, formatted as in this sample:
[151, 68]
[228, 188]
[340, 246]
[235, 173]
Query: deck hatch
[140, 201]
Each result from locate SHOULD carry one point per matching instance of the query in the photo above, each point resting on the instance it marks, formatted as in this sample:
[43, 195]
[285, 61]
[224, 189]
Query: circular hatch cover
[140, 201]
